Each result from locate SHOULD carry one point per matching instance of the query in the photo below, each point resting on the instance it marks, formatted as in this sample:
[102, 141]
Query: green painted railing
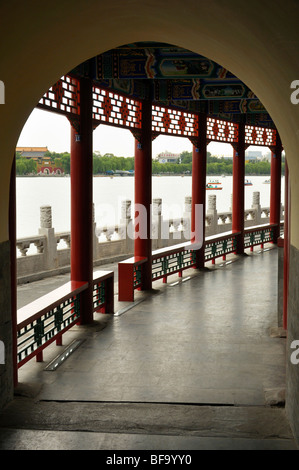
[103, 291]
[220, 245]
[46, 319]
[43, 321]
[177, 258]
[258, 235]
[172, 260]
[137, 276]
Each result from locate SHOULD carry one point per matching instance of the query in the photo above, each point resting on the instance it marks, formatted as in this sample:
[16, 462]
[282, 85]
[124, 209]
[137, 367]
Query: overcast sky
[47, 129]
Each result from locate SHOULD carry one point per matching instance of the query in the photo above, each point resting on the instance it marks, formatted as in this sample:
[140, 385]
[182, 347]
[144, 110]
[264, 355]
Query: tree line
[28, 166]
[108, 162]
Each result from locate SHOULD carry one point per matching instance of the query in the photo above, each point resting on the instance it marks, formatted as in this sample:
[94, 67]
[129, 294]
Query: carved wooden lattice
[63, 97]
[121, 111]
[117, 110]
[222, 131]
[174, 122]
[260, 136]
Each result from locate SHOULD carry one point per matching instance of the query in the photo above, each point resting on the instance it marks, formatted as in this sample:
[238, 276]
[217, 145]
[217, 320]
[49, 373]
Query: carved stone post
[157, 223]
[47, 230]
[187, 217]
[126, 227]
[257, 207]
[212, 212]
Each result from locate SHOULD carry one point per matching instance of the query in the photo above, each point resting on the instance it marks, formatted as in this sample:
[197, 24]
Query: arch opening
[211, 30]
[158, 137]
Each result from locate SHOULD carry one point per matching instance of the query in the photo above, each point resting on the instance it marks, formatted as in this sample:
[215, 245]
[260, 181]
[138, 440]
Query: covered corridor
[192, 365]
[263, 59]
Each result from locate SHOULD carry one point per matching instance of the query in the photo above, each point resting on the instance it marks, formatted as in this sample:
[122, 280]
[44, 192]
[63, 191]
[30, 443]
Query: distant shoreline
[130, 176]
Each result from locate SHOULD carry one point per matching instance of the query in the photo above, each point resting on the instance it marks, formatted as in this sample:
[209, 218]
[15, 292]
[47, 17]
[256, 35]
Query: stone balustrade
[24, 244]
[48, 253]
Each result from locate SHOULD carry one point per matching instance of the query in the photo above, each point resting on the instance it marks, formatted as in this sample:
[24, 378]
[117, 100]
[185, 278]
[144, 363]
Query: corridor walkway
[191, 366]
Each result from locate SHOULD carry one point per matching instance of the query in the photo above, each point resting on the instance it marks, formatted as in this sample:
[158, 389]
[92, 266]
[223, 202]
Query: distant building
[44, 163]
[36, 153]
[168, 157]
[253, 155]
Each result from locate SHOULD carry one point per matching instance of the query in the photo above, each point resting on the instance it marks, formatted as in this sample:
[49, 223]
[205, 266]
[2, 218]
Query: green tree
[66, 163]
[186, 157]
[25, 166]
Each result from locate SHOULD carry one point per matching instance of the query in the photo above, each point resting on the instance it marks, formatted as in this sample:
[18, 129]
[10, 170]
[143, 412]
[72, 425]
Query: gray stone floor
[190, 366]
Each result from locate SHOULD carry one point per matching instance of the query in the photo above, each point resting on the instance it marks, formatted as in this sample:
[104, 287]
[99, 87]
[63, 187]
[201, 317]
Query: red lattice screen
[174, 122]
[260, 136]
[121, 111]
[222, 131]
[63, 97]
[112, 108]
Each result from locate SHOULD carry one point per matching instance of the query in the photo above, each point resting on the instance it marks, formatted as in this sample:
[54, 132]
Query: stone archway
[257, 42]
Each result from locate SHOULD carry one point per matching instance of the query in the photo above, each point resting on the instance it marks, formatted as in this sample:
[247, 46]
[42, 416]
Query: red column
[199, 168]
[13, 267]
[143, 195]
[286, 245]
[238, 189]
[81, 201]
[275, 190]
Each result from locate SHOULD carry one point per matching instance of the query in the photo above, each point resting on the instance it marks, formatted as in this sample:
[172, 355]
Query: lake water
[33, 192]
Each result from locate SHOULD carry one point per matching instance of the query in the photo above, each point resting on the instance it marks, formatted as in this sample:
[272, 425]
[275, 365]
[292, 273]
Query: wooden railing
[171, 260]
[103, 291]
[258, 235]
[220, 245]
[175, 259]
[46, 319]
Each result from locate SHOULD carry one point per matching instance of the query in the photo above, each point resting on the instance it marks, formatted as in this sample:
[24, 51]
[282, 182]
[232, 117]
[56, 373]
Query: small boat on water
[215, 182]
[215, 188]
[214, 185]
[267, 182]
[247, 183]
